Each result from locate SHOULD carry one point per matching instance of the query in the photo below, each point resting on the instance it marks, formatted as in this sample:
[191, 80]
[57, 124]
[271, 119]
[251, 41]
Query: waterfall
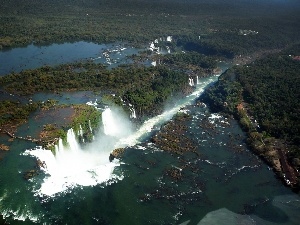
[191, 81]
[133, 114]
[80, 132]
[90, 126]
[111, 126]
[72, 166]
[91, 103]
[148, 125]
[168, 49]
[197, 80]
[153, 63]
[169, 38]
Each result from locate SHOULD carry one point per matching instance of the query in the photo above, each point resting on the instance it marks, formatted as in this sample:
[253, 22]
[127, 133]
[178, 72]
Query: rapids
[224, 184]
[72, 165]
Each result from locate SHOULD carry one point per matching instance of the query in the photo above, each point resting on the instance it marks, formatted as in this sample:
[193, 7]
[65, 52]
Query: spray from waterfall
[73, 165]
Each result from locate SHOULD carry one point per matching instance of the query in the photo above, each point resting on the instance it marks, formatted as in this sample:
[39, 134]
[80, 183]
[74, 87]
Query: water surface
[224, 184]
[32, 56]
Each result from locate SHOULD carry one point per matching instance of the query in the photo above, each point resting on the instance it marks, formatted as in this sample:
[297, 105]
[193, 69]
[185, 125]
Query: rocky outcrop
[4, 147]
[34, 172]
[172, 137]
[116, 153]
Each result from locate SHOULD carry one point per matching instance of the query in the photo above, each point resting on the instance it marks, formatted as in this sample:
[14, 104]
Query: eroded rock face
[116, 153]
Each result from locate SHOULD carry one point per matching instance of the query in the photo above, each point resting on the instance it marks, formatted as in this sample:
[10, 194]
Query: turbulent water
[224, 184]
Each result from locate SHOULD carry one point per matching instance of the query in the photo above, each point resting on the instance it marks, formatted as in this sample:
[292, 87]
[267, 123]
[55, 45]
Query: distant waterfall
[197, 80]
[133, 114]
[80, 132]
[191, 81]
[168, 49]
[90, 127]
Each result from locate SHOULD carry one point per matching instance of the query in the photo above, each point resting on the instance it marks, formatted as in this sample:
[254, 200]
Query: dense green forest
[228, 28]
[146, 88]
[264, 95]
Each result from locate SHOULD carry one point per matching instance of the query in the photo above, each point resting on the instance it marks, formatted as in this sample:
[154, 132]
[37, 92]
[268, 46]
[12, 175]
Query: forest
[147, 88]
[227, 28]
[264, 95]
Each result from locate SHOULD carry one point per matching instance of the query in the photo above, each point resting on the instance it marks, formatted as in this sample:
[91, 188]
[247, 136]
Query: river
[224, 184]
[32, 56]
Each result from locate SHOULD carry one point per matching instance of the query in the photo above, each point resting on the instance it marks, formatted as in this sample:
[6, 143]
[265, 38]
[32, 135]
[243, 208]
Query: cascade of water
[169, 38]
[91, 103]
[109, 125]
[71, 165]
[197, 80]
[168, 49]
[90, 126]
[72, 141]
[80, 132]
[91, 129]
[133, 114]
[148, 125]
[191, 81]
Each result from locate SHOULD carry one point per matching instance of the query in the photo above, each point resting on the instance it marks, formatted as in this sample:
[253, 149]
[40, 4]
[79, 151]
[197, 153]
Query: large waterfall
[71, 165]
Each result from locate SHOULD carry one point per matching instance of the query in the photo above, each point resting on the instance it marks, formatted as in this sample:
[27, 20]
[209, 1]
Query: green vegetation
[86, 118]
[264, 95]
[189, 61]
[144, 87]
[14, 113]
[226, 28]
[271, 87]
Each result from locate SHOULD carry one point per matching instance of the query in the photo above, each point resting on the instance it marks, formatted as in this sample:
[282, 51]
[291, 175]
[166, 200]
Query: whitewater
[73, 165]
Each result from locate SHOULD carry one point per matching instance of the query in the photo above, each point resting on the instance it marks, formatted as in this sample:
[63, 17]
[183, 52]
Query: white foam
[22, 213]
[70, 169]
[148, 125]
[73, 166]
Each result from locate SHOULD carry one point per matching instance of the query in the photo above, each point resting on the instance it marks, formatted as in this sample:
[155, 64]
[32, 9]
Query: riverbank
[248, 93]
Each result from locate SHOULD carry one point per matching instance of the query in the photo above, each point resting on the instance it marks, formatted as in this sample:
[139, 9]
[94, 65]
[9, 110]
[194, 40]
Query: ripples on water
[224, 184]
